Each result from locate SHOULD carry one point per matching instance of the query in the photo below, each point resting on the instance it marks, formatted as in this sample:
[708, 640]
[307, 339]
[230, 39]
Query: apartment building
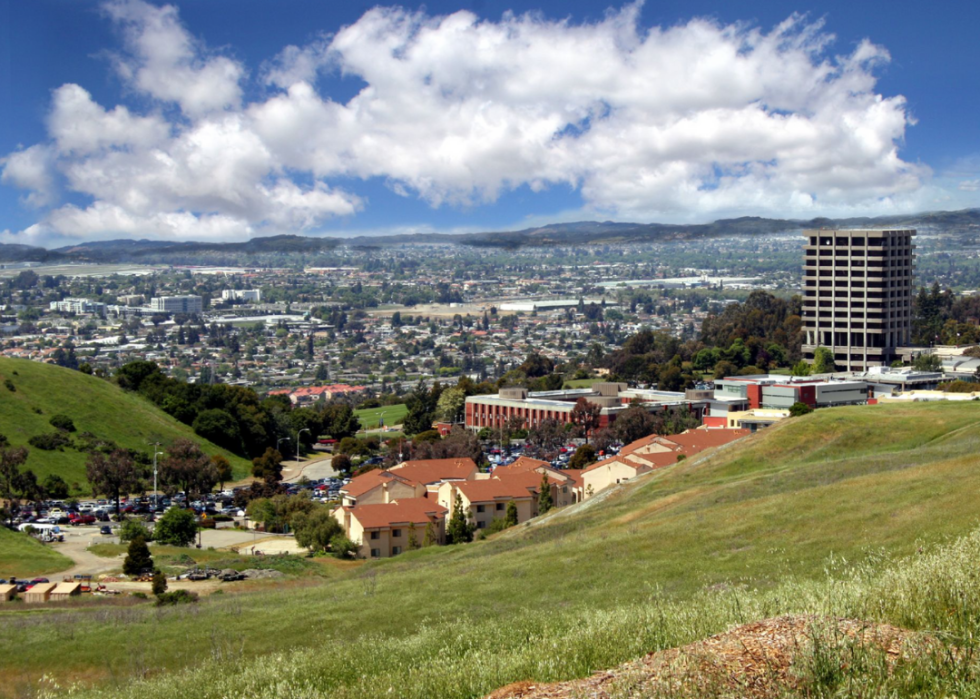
[857, 295]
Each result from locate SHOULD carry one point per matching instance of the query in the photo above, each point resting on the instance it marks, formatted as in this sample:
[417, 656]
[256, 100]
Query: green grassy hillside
[25, 557]
[96, 406]
[760, 527]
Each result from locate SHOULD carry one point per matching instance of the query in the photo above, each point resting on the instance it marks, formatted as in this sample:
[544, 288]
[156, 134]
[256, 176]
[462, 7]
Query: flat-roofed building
[857, 301]
[529, 409]
[177, 304]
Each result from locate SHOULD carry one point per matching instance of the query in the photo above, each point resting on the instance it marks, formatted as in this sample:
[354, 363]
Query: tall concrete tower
[857, 295]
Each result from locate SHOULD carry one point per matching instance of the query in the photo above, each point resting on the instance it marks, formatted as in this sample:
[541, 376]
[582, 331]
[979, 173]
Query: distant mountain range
[580, 233]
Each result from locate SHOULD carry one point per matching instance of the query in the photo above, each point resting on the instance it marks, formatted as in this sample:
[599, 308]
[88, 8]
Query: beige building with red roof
[385, 530]
[651, 453]
[378, 488]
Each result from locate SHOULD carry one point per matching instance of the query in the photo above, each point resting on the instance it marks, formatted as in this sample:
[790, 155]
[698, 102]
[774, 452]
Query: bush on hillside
[176, 597]
[799, 408]
[49, 442]
[62, 422]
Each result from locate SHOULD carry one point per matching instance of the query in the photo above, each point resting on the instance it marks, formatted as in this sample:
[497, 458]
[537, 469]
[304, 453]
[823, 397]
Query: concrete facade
[857, 295]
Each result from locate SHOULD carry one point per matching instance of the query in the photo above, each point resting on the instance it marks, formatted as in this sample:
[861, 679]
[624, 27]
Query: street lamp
[305, 429]
[281, 440]
[156, 493]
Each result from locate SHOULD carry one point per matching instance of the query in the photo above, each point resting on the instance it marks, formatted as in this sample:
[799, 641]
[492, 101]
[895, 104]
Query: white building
[241, 295]
[78, 306]
[177, 304]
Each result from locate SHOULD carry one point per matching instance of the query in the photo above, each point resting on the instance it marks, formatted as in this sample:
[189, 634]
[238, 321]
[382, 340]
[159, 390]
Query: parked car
[105, 530]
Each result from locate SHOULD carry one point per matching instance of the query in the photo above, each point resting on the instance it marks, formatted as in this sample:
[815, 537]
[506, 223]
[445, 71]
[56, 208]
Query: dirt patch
[754, 660]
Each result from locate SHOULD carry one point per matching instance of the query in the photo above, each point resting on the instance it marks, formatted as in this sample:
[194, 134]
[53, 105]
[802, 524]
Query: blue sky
[225, 119]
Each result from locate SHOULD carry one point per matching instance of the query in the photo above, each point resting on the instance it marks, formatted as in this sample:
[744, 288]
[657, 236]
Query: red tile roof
[435, 470]
[371, 480]
[399, 512]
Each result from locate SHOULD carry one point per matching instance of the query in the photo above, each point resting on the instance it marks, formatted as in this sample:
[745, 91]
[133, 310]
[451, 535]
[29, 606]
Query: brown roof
[694, 441]
[371, 480]
[399, 512]
[523, 463]
[435, 470]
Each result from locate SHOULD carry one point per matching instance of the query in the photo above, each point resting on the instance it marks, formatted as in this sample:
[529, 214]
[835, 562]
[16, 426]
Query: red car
[82, 519]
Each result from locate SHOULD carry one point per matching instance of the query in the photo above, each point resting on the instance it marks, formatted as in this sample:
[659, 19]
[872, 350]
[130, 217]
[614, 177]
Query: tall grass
[937, 592]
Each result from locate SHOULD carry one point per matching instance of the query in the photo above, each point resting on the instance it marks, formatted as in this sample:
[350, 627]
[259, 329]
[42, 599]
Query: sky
[230, 119]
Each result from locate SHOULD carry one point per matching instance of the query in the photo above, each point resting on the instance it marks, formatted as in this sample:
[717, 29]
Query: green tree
[413, 537]
[219, 427]
[510, 519]
[339, 421]
[315, 530]
[55, 487]
[823, 361]
[268, 467]
[582, 457]
[342, 547]
[585, 416]
[459, 529]
[114, 474]
[222, 468]
[138, 558]
[633, 424]
[159, 582]
[545, 501]
[186, 468]
[176, 527]
[801, 368]
[450, 405]
[431, 537]
[927, 362]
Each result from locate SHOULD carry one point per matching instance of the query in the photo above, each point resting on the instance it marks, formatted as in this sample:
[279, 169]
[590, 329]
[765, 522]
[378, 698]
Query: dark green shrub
[62, 422]
[176, 597]
[49, 442]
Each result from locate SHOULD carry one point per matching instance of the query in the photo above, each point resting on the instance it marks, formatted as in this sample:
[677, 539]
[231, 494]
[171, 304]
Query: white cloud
[166, 62]
[31, 169]
[687, 122]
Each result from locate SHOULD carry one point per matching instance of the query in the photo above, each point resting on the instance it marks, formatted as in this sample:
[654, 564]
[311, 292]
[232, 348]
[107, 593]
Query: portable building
[64, 590]
[40, 592]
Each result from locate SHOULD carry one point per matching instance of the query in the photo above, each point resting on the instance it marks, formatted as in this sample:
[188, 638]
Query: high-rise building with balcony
[857, 295]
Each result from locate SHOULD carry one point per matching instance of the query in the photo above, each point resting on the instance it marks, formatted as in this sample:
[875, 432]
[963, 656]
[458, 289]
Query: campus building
[177, 304]
[857, 295]
[241, 295]
[518, 407]
[735, 394]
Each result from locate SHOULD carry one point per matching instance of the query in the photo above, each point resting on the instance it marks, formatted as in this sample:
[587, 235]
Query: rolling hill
[41, 391]
[866, 512]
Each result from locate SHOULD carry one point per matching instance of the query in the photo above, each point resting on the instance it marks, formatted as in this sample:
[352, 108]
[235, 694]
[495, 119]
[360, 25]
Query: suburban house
[385, 530]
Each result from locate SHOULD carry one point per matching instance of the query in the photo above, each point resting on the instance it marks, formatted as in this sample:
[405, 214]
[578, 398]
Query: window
[374, 535]
[375, 553]
[481, 525]
[395, 550]
[480, 508]
[396, 533]
[500, 506]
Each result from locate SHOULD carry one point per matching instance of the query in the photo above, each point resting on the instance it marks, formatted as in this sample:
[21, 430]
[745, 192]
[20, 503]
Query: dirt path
[754, 660]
